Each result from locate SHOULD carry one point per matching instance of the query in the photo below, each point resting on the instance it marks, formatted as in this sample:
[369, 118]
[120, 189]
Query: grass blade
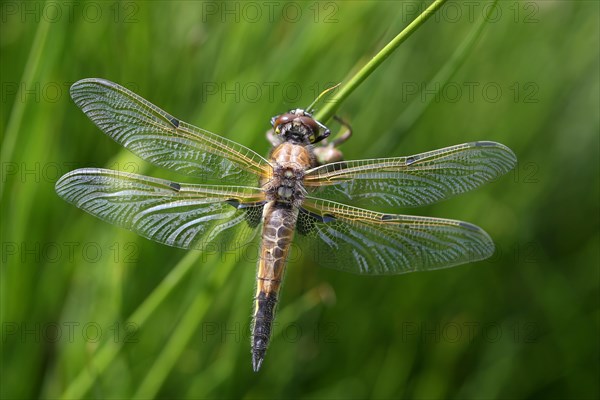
[330, 108]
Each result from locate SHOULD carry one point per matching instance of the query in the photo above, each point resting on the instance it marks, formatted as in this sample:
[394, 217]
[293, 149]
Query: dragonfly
[303, 191]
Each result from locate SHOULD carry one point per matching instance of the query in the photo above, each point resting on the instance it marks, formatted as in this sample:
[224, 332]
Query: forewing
[366, 242]
[179, 215]
[411, 181]
[158, 137]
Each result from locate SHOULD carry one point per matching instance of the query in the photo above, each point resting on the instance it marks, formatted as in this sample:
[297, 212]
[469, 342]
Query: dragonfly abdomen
[279, 222]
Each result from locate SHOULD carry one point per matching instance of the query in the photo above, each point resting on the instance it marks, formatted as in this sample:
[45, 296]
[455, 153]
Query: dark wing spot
[388, 217]
[251, 205]
[327, 218]
[233, 202]
[175, 186]
[410, 160]
[253, 211]
[175, 122]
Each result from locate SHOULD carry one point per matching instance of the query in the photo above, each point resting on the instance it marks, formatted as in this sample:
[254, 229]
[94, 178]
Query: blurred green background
[90, 310]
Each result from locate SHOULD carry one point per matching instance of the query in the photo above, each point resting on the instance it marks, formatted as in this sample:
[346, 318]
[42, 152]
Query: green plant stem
[325, 113]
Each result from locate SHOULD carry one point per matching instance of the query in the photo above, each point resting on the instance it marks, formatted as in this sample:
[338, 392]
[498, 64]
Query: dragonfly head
[298, 126]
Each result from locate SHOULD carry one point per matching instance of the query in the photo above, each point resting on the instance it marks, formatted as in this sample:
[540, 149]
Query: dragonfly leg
[328, 152]
[344, 135]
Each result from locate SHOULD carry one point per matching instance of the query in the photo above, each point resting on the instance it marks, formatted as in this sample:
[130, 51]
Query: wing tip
[101, 81]
[75, 88]
[510, 157]
[66, 178]
[60, 184]
[69, 177]
[486, 248]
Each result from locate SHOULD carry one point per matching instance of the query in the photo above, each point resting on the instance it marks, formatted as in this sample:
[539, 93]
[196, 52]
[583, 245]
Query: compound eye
[283, 119]
[310, 123]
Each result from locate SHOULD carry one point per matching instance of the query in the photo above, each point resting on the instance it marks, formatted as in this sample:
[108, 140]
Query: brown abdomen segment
[279, 222]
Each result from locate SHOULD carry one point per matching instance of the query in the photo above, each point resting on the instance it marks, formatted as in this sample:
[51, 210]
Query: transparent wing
[365, 242]
[162, 139]
[412, 181]
[179, 215]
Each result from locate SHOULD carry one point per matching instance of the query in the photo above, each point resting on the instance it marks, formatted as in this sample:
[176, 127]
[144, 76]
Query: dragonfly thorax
[289, 162]
[286, 186]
